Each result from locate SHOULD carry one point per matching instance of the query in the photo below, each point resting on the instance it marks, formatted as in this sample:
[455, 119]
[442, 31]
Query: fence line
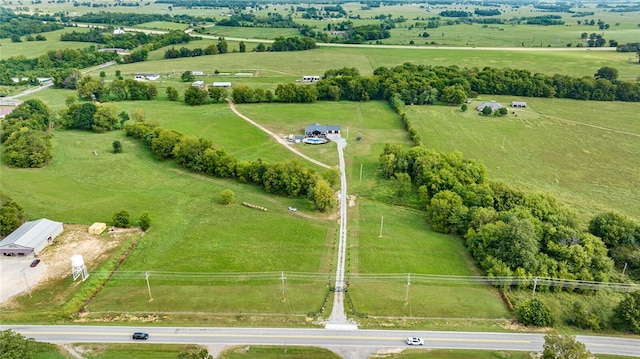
[378, 277]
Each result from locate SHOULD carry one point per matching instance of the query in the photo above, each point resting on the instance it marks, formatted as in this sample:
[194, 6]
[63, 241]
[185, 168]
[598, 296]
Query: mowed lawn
[584, 153]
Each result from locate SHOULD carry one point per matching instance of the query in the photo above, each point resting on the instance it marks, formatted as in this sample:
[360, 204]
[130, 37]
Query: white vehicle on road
[415, 341]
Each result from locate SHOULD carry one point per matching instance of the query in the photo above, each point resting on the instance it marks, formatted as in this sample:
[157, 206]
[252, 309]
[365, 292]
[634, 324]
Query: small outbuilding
[222, 84]
[144, 77]
[494, 106]
[97, 228]
[199, 84]
[310, 78]
[518, 104]
[31, 237]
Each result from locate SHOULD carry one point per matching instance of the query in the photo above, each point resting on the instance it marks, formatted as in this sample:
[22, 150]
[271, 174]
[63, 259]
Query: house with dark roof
[494, 106]
[318, 130]
[31, 237]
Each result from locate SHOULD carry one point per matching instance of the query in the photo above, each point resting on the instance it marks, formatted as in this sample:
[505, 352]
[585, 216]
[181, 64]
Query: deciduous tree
[564, 347]
[144, 221]
[226, 196]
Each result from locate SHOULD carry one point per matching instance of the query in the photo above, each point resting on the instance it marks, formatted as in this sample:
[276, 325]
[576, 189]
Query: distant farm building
[144, 77]
[19, 79]
[518, 104]
[45, 80]
[310, 78]
[118, 31]
[199, 84]
[494, 106]
[222, 84]
[318, 130]
[97, 228]
[117, 50]
[197, 73]
[31, 237]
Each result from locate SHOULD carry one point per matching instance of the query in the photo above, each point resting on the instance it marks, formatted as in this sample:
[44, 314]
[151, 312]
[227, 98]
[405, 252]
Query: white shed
[31, 237]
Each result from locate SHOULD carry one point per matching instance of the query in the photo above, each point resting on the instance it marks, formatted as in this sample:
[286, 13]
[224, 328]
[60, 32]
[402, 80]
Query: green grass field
[33, 49]
[578, 151]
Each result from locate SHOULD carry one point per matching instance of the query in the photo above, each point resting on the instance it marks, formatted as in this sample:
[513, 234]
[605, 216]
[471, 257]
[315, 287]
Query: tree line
[290, 178]
[128, 19]
[509, 232]
[128, 40]
[92, 89]
[14, 26]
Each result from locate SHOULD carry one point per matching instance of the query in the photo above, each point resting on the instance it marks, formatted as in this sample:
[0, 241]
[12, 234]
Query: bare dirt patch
[56, 258]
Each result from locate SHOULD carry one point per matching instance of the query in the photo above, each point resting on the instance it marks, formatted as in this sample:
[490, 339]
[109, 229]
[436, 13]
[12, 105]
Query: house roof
[494, 105]
[217, 84]
[518, 103]
[30, 234]
[321, 128]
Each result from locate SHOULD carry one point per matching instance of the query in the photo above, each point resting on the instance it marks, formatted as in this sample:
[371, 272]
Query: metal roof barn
[31, 237]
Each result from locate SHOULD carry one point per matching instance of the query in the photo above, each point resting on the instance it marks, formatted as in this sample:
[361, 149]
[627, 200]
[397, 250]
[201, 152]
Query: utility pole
[381, 223]
[406, 296]
[282, 277]
[24, 274]
[535, 284]
[146, 277]
[360, 171]
[624, 269]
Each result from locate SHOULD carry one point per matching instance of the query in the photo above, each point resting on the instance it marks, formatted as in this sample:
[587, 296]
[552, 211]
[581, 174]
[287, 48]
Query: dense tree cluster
[290, 178]
[130, 19]
[11, 215]
[509, 232]
[273, 19]
[90, 88]
[622, 236]
[627, 313]
[14, 345]
[24, 137]
[454, 13]
[564, 347]
[14, 26]
[220, 48]
[292, 44]
[487, 12]
[88, 116]
[128, 40]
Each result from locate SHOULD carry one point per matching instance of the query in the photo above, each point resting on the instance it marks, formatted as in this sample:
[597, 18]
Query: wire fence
[353, 279]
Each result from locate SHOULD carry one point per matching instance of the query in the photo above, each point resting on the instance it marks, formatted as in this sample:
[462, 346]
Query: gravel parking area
[16, 274]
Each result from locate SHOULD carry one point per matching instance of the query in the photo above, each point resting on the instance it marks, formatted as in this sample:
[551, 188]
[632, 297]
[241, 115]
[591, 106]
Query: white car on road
[415, 341]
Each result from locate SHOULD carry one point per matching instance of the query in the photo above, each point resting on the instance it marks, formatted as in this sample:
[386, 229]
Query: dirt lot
[56, 258]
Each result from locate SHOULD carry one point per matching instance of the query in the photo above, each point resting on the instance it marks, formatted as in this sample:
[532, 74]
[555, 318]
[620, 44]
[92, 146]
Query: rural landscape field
[180, 125]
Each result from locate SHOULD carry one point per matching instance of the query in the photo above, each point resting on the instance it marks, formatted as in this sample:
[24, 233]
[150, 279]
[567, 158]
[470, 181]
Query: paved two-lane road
[347, 343]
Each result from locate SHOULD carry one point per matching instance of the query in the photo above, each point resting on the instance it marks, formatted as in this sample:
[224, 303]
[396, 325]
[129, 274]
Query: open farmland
[584, 153]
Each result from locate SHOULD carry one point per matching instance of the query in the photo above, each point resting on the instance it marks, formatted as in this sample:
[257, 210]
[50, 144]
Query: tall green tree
[27, 149]
[188, 76]
[117, 146]
[242, 46]
[323, 195]
[11, 215]
[202, 354]
[627, 313]
[195, 96]
[535, 312]
[144, 221]
[15, 346]
[564, 347]
[172, 93]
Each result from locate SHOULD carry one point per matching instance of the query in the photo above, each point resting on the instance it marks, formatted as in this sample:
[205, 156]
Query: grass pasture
[132, 351]
[34, 49]
[579, 151]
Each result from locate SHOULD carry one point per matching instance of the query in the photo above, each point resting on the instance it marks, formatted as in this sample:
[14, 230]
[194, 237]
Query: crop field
[251, 32]
[584, 153]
